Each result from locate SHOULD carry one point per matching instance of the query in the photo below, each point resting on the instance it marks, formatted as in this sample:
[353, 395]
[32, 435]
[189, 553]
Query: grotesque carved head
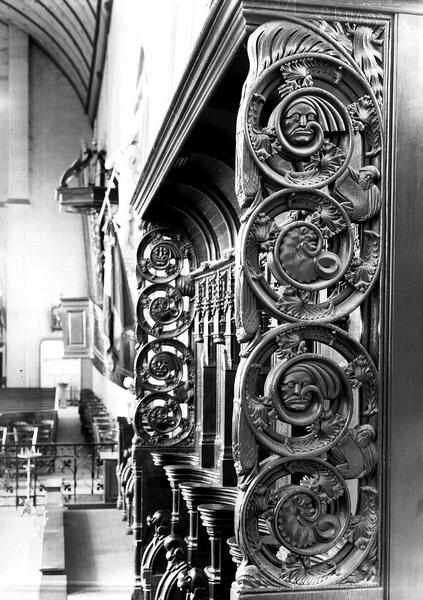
[160, 255]
[295, 120]
[304, 382]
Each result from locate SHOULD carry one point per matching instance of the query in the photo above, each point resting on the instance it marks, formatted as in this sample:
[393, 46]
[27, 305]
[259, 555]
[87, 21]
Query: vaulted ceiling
[72, 33]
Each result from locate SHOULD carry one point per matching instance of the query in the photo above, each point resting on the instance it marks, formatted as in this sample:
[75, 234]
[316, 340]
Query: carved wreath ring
[162, 365]
[258, 239]
[159, 255]
[325, 419]
[297, 533]
[281, 147]
[164, 311]
[158, 418]
[264, 109]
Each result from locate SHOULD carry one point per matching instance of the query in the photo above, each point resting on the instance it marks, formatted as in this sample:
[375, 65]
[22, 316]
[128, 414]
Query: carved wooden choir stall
[263, 313]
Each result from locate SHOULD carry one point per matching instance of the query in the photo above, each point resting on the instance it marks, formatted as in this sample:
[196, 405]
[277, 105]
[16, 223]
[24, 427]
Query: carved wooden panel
[164, 366]
[309, 178]
[77, 327]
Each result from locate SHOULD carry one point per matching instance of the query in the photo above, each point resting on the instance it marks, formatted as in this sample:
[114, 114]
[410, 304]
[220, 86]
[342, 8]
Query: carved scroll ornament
[164, 370]
[304, 534]
[309, 181]
[301, 258]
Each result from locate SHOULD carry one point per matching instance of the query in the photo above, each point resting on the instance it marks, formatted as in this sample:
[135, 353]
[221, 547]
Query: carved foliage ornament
[304, 534]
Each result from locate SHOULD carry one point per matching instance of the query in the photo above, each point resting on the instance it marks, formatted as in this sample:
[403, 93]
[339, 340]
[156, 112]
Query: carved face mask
[295, 122]
[297, 390]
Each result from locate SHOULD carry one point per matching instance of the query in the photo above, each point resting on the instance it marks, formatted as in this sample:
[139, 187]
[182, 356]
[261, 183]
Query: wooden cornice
[256, 12]
[219, 42]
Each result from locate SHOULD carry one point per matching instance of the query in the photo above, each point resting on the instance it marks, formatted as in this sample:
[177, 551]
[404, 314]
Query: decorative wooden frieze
[309, 180]
[164, 371]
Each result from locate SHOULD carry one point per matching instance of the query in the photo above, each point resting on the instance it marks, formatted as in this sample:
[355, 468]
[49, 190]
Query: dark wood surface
[405, 565]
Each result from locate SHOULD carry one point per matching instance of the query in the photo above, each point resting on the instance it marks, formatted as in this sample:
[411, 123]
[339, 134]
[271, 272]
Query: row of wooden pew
[97, 424]
[22, 433]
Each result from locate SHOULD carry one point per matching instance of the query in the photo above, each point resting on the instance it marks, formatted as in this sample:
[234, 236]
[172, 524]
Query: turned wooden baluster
[152, 568]
[218, 519]
[178, 474]
[195, 494]
[125, 477]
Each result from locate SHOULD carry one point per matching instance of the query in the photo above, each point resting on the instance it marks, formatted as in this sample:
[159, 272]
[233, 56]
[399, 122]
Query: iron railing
[79, 466]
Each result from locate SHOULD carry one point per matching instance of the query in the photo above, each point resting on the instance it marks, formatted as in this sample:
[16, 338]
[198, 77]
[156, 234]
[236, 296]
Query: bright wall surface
[119, 401]
[43, 253]
[149, 46]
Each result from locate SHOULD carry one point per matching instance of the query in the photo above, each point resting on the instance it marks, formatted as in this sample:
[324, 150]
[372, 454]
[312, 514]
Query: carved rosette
[164, 371]
[308, 254]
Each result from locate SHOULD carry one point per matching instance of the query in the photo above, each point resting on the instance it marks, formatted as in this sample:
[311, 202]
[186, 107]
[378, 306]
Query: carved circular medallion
[162, 254]
[301, 116]
[164, 310]
[161, 419]
[304, 405]
[301, 259]
[296, 524]
[307, 140]
[162, 365]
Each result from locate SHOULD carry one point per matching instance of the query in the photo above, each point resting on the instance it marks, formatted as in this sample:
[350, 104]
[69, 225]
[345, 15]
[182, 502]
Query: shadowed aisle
[98, 555]
[69, 426]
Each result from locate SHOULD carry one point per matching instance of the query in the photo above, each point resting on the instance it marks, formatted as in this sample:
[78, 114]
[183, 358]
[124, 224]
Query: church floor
[20, 551]
[98, 555]
[98, 552]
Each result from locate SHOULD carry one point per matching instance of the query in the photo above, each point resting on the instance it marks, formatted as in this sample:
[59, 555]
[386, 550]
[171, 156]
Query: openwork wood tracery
[309, 166]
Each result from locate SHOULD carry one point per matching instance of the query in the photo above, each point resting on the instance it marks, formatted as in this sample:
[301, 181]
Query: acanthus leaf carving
[363, 268]
[301, 570]
[367, 570]
[289, 344]
[321, 166]
[367, 52]
[365, 120]
[261, 412]
[362, 527]
[327, 426]
[297, 304]
[319, 480]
